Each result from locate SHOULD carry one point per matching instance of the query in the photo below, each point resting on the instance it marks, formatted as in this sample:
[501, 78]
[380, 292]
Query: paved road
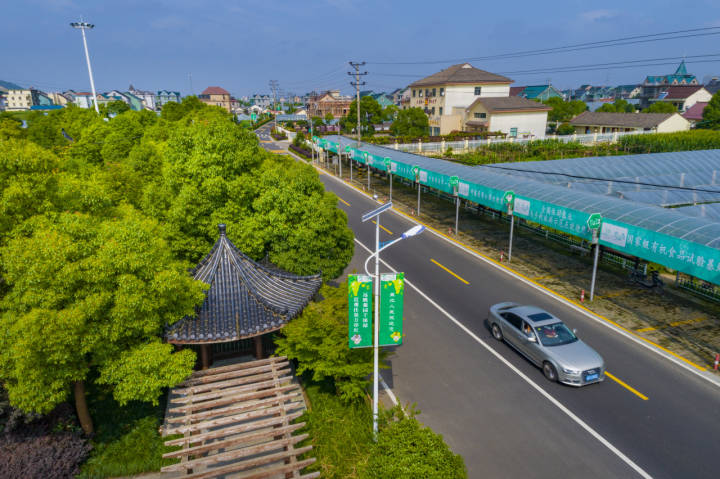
[496, 409]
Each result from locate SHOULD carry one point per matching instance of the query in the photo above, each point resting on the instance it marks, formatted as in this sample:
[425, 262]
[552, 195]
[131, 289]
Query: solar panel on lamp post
[82, 26]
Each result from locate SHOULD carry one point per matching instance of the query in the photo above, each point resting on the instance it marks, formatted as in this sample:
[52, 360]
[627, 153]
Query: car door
[531, 349]
[512, 331]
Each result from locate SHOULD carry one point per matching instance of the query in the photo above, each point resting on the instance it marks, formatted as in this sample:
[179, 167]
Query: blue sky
[305, 45]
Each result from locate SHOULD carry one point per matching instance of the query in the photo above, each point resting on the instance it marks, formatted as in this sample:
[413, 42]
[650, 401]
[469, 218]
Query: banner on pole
[392, 292]
[360, 311]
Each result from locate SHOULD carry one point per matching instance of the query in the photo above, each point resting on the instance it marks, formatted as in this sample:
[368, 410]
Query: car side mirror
[531, 337]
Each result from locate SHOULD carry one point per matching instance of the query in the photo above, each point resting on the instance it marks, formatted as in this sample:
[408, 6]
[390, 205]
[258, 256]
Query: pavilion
[245, 300]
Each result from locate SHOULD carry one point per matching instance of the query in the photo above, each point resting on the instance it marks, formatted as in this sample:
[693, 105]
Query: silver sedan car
[546, 341]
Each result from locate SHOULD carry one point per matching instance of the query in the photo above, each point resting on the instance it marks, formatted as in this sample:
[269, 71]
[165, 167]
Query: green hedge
[680, 141]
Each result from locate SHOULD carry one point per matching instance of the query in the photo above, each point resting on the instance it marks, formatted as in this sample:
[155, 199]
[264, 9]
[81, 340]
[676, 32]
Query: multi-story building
[61, 99]
[465, 98]
[166, 96]
[18, 100]
[83, 99]
[217, 96]
[147, 97]
[329, 102]
[263, 101]
[655, 84]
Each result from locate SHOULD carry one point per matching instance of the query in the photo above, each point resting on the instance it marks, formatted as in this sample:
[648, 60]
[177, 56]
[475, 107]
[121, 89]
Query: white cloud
[598, 15]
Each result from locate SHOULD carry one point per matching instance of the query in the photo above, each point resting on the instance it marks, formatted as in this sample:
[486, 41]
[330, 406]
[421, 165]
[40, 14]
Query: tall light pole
[415, 230]
[82, 26]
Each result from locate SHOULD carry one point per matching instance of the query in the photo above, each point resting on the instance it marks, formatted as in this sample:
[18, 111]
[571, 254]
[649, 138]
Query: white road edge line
[547, 395]
[715, 381]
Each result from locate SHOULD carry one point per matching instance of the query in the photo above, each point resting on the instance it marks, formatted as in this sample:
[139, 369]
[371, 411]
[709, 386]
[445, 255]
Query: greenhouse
[631, 193]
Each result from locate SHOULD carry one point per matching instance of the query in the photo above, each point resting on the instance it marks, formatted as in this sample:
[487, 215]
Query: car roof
[526, 312]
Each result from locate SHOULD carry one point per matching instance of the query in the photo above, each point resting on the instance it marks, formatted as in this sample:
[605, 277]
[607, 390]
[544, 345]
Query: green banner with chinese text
[360, 311]
[392, 292]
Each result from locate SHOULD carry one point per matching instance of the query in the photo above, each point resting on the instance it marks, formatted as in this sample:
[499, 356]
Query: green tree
[44, 130]
[618, 106]
[318, 340]
[116, 107]
[299, 139]
[406, 450]
[565, 129]
[371, 113]
[390, 112]
[564, 110]
[410, 122]
[711, 113]
[328, 118]
[661, 107]
[172, 111]
[10, 128]
[91, 295]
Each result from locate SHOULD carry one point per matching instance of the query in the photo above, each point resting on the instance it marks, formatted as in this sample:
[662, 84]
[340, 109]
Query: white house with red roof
[683, 96]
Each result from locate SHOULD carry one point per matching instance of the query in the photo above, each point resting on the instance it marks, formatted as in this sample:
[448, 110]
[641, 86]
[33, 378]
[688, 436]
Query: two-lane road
[496, 409]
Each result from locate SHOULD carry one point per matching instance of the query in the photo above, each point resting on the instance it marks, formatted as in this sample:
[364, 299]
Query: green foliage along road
[98, 227]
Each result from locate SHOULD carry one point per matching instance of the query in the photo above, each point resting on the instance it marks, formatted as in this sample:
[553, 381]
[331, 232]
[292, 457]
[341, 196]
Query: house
[515, 116]
[683, 96]
[24, 99]
[147, 97]
[218, 96]
[166, 96]
[694, 114]
[713, 85]
[329, 102]
[600, 122]
[105, 98]
[654, 84]
[627, 91]
[136, 103]
[383, 99]
[61, 99]
[83, 99]
[536, 92]
[455, 99]
[263, 101]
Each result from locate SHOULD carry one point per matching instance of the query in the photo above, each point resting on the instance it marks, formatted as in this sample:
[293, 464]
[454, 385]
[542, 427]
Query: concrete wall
[674, 123]
[533, 123]
[464, 95]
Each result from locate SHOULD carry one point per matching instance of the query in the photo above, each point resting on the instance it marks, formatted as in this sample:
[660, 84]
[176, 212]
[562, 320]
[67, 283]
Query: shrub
[406, 450]
[48, 456]
[565, 129]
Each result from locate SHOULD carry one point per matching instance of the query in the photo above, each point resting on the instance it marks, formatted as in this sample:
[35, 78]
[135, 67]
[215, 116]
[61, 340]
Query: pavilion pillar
[258, 347]
[205, 355]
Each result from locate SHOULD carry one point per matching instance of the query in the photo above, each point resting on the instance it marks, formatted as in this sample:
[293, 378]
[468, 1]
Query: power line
[357, 84]
[632, 40]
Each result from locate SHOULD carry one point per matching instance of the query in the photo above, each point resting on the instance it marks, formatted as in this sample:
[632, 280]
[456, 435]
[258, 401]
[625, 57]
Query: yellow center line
[541, 286]
[382, 227]
[346, 203]
[443, 267]
[627, 386]
[645, 330]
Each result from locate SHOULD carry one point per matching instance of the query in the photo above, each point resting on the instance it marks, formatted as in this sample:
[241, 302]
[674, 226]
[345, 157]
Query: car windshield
[555, 334]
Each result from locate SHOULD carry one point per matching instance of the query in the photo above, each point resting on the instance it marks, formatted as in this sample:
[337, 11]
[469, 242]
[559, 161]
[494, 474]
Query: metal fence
[468, 145]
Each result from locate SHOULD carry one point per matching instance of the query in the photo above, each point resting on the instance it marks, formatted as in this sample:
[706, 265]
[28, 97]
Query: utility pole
[274, 84]
[357, 84]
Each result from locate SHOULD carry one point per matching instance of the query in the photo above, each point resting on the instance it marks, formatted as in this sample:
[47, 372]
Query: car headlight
[570, 371]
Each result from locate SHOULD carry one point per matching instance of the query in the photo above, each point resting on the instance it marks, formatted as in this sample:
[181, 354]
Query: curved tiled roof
[245, 298]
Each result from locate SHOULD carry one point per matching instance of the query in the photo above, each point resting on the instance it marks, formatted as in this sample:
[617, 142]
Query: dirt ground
[685, 324]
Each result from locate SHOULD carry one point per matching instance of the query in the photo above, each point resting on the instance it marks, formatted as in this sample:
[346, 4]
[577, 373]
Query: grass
[127, 440]
[341, 434]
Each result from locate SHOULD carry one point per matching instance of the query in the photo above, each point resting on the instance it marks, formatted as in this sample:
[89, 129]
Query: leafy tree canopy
[410, 122]
[661, 107]
[711, 113]
[618, 106]
[564, 110]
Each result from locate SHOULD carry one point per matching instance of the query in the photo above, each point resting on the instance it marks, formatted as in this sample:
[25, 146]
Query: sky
[187, 45]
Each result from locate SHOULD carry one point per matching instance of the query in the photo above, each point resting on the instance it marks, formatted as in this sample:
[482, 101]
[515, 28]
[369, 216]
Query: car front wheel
[496, 332]
[550, 372]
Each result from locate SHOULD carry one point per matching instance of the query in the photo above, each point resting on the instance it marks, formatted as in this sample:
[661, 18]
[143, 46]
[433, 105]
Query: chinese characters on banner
[392, 291]
[360, 311]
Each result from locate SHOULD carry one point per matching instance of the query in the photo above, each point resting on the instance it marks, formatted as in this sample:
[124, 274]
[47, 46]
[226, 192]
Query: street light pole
[415, 230]
[512, 223]
[82, 26]
[595, 262]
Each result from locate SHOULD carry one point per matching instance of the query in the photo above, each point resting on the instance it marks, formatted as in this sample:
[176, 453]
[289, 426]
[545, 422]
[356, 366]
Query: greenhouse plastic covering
[632, 223]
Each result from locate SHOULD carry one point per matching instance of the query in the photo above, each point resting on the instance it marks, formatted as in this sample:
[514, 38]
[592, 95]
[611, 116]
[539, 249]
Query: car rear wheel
[496, 332]
[550, 372]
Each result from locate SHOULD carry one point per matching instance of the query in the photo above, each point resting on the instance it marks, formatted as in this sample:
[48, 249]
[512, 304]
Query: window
[513, 319]
[420, 93]
[414, 93]
[427, 92]
[478, 90]
[432, 112]
[434, 92]
[442, 92]
[440, 111]
[480, 115]
[513, 132]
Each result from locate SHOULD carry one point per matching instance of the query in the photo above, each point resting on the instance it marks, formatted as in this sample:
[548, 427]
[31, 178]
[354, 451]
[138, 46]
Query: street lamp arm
[378, 252]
